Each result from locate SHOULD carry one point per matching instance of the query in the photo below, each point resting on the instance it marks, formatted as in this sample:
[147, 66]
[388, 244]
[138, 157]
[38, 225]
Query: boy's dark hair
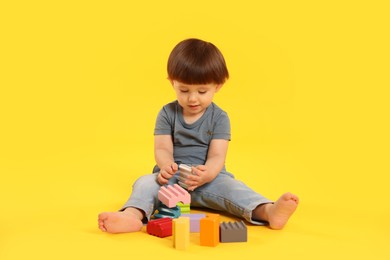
[194, 61]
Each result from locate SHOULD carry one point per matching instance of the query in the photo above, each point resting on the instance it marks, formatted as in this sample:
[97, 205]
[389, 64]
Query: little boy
[195, 131]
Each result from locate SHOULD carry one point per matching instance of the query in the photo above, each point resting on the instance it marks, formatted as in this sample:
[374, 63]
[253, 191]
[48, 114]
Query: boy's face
[194, 99]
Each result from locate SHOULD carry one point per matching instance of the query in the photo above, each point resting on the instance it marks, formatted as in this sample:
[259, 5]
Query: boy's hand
[200, 176]
[166, 172]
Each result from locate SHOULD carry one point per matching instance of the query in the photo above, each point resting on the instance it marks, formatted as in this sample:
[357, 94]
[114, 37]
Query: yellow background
[81, 83]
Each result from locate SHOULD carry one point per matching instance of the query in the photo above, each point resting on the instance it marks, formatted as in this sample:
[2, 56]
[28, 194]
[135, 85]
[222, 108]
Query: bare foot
[119, 222]
[279, 212]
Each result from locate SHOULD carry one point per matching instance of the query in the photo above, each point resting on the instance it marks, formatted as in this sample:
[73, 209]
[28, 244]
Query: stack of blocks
[169, 222]
[171, 196]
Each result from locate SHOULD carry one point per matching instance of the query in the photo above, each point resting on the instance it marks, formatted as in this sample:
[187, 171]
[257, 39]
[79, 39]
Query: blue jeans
[224, 193]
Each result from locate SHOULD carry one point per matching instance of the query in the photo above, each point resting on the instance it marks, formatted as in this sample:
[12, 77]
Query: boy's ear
[171, 81]
[218, 87]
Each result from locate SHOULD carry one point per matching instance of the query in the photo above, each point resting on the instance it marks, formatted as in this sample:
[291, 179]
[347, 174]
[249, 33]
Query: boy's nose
[192, 97]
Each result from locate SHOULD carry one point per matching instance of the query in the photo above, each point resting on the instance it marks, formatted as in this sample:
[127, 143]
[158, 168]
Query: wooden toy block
[194, 221]
[160, 227]
[173, 194]
[181, 182]
[181, 233]
[184, 208]
[165, 212]
[233, 232]
[184, 171]
[209, 230]
[184, 168]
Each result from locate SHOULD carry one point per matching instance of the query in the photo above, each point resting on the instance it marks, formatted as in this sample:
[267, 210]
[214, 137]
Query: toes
[101, 221]
[103, 216]
[294, 198]
[101, 226]
[290, 196]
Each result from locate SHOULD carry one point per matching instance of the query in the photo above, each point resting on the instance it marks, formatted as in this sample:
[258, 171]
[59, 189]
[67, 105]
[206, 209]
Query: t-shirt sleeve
[164, 122]
[222, 127]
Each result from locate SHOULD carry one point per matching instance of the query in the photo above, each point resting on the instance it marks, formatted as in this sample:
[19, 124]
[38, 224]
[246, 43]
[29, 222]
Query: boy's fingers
[193, 177]
[192, 188]
[193, 182]
[195, 171]
[166, 175]
[174, 167]
[161, 179]
[167, 169]
[201, 167]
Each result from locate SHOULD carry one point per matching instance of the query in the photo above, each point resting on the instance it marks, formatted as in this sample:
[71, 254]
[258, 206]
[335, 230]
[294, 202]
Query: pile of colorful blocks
[174, 219]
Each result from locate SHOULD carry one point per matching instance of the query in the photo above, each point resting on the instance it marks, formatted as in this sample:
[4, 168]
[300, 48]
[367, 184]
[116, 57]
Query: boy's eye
[183, 91]
[202, 92]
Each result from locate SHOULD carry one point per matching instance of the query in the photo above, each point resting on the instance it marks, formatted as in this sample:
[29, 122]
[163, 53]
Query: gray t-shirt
[191, 141]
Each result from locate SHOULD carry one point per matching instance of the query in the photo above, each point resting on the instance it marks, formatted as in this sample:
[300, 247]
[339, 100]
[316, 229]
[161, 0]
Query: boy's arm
[163, 154]
[216, 157]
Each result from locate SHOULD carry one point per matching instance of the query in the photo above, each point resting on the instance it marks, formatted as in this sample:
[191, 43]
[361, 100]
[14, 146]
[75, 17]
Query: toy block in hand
[184, 168]
[172, 194]
[184, 171]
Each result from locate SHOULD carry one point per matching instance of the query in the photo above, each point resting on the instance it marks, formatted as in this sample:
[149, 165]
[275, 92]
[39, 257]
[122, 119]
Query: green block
[184, 208]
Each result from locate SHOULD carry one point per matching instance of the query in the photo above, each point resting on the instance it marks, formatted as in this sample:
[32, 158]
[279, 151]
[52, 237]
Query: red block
[161, 227]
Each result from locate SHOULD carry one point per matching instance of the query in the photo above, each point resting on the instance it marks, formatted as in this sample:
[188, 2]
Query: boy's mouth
[193, 106]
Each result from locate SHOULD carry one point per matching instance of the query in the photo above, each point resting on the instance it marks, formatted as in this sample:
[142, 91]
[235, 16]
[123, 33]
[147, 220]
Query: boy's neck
[190, 119]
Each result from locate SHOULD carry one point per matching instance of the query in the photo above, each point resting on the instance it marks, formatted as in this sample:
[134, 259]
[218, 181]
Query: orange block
[209, 230]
